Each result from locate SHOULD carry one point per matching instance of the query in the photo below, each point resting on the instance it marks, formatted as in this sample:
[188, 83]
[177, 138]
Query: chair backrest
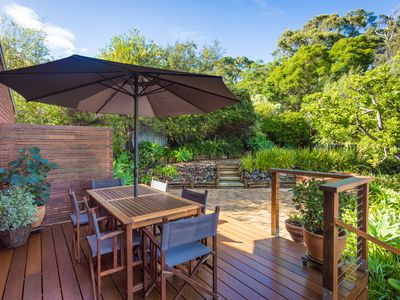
[106, 183]
[74, 201]
[92, 217]
[190, 230]
[161, 186]
[196, 197]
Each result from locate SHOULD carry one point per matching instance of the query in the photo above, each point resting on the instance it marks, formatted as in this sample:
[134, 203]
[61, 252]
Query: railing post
[362, 224]
[275, 204]
[330, 265]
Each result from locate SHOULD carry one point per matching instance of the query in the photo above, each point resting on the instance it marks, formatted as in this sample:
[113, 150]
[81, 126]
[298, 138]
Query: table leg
[129, 267]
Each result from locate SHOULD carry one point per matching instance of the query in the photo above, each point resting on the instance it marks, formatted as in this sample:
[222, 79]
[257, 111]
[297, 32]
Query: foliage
[296, 219]
[17, 208]
[314, 159]
[308, 200]
[259, 142]
[362, 109]
[182, 155]
[30, 170]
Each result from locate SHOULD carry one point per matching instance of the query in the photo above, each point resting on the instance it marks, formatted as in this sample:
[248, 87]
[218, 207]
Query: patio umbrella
[101, 86]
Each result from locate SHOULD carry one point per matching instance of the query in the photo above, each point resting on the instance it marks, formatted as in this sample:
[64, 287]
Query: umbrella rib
[112, 96]
[73, 88]
[158, 90]
[201, 90]
[150, 83]
[182, 100]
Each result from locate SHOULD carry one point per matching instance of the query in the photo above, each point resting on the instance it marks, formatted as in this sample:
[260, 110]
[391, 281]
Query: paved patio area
[252, 206]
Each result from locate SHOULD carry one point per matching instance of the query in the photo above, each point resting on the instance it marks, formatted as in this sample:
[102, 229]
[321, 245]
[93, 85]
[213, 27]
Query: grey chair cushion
[83, 218]
[106, 246]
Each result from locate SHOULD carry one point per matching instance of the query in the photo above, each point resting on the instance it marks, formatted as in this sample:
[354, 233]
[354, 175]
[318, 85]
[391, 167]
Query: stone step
[228, 173]
[228, 167]
[229, 178]
[231, 184]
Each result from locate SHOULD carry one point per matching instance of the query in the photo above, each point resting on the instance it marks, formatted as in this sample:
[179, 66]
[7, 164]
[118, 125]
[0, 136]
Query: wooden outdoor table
[149, 208]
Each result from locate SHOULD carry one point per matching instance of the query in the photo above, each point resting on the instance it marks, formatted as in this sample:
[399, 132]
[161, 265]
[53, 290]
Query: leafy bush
[30, 170]
[309, 201]
[17, 208]
[259, 142]
[123, 167]
[182, 155]
[287, 129]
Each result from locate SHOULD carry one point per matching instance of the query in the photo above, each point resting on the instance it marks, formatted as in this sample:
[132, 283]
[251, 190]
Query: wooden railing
[331, 190]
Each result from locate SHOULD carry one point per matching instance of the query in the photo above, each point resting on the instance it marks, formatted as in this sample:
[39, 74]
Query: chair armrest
[111, 234]
[152, 237]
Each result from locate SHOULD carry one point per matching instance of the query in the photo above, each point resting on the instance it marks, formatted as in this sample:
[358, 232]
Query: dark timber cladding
[251, 265]
[82, 153]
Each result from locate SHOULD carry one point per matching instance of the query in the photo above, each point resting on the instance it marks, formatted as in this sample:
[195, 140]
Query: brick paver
[251, 206]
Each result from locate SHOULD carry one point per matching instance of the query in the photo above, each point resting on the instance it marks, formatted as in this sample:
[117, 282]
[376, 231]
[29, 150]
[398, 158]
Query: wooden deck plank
[33, 271]
[250, 266]
[5, 262]
[50, 278]
[69, 283]
[81, 269]
[15, 280]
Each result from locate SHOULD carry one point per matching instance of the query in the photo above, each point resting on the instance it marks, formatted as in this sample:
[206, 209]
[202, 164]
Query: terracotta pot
[41, 211]
[15, 238]
[295, 231]
[314, 244]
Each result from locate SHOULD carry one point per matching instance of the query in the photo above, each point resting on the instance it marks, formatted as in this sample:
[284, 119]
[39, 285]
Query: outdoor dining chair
[102, 243]
[179, 245]
[158, 185]
[106, 183]
[196, 197]
[78, 218]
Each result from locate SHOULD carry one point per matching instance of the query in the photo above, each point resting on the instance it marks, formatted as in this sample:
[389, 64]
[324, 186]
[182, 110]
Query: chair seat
[83, 218]
[184, 253]
[106, 246]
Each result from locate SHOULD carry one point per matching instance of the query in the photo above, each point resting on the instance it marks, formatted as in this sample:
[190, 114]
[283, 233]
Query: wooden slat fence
[82, 153]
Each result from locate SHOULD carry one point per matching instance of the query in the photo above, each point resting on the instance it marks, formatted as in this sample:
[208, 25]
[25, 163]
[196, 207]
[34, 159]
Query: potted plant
[308, 199]
[294, 225]
[17, 213]
[30, 170]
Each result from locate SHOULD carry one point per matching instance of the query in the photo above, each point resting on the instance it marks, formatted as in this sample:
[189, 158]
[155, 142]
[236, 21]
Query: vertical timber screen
[82, 153]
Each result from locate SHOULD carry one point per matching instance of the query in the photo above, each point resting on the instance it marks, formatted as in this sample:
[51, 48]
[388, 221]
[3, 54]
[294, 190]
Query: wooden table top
[149, 205]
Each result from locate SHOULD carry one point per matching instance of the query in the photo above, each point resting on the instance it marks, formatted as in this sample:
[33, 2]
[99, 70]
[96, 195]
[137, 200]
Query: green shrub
[17, 208]
[323, 160]
[259, 142]
[30, 170]
[182, 155]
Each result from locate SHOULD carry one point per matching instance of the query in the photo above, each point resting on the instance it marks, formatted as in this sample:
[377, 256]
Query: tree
[353, 53]
[326, 30]
[302, 74]
[361, 108]
[22, 48]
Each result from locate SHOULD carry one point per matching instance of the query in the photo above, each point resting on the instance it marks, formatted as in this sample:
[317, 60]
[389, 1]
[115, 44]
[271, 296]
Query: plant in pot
[30, 170]
[294, 225]
[309, 201]
[17, 213]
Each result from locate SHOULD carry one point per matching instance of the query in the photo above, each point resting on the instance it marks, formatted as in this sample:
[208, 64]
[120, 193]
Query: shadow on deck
[252, 265]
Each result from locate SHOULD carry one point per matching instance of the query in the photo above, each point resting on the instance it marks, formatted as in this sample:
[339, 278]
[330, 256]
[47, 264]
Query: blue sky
[243, 27]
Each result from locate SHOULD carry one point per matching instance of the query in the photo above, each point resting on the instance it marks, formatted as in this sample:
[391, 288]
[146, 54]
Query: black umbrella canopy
[103, 86]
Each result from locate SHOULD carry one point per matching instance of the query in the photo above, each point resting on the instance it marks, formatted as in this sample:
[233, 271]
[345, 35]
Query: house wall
[82, 153]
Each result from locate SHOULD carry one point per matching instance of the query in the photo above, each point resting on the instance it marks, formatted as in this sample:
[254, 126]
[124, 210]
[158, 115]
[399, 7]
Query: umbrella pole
[135, 139]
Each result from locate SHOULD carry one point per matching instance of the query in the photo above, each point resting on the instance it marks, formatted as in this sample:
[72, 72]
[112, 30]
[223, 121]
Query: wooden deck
[252, 265]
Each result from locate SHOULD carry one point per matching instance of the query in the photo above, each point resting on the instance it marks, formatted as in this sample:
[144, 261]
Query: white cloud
[59, 40]
[179, 33]
[266, 8]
